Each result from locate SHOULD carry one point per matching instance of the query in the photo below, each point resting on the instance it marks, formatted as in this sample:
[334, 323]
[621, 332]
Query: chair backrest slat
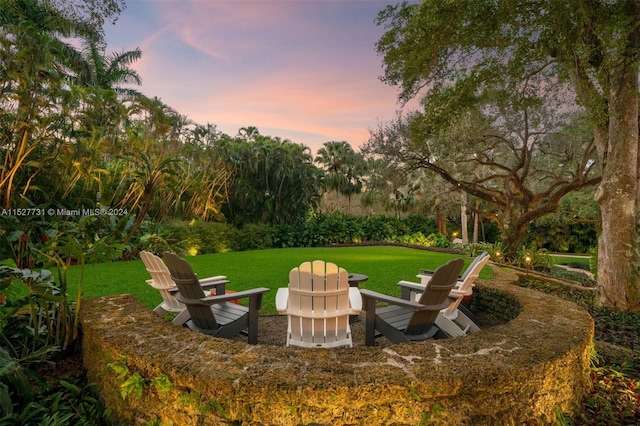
[436, 293]
[470, 275]
[158, 270]
[473, 270]
[316, 290]
[189, 288]
[161, 281]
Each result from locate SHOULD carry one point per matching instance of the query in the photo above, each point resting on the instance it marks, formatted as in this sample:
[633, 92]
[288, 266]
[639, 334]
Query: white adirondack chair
[454, 320]
[161, 280]
[318, 302]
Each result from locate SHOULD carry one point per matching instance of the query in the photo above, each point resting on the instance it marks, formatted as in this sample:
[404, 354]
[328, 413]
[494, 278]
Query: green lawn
[385, 266]
[580, 261]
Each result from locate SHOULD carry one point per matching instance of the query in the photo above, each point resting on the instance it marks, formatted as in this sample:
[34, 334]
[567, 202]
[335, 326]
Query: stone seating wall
[148, 371]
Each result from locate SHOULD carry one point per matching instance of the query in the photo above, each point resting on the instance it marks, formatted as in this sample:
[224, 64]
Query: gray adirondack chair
[456, 320]
[214, 315]
[161, 281]
[404, 321]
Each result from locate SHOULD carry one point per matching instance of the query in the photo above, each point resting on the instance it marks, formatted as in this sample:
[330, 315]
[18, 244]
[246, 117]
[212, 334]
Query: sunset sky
[303, 70]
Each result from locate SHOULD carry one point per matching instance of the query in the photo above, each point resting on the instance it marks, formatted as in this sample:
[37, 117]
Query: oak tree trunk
[618, 278]
[476, 219]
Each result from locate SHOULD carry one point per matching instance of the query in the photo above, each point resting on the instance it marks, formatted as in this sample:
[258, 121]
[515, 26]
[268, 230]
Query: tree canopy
[454, 54]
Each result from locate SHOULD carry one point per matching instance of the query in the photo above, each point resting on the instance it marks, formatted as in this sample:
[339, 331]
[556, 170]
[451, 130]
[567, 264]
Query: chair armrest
[412, 285]
[368, 294]
[210, 280]
[219, 286]
[238, 295]
[218, 282]
[355, 299]
[408, 288]
[212, 300]
[282, 300]
[461, 293]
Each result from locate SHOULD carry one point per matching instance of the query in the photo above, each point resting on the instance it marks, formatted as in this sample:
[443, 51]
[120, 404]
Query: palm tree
[270, 180]
[144, 177]
[332, 157]
[249, 133]
[163, 122]
[343, 168]
[110, 72]
[36, 67]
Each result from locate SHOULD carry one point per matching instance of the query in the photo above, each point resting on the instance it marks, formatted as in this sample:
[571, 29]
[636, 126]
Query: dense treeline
[77, 138]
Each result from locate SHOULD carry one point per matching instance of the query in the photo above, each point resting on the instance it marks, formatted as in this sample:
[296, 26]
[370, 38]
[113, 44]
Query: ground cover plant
[615, 396]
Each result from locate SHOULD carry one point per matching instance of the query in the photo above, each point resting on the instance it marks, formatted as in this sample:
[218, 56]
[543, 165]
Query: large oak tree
[446, 52]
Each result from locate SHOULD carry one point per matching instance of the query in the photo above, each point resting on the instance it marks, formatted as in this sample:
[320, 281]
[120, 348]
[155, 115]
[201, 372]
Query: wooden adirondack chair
[405, 321]
[318, 303]
[161, 281]
[214, 315]
[456, 320]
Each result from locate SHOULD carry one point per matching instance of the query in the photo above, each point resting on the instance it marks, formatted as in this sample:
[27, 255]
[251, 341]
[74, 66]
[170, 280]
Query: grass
[385, 266]
[580, 262]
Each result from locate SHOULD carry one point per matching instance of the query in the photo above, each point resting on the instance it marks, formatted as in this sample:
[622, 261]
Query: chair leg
[449, 327]
[254, 306]
[181, 318]
[370, 310]
[466, 323]
[160, 310]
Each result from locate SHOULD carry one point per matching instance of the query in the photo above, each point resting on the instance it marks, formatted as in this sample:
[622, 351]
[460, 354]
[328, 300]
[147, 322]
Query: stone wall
[150, 372]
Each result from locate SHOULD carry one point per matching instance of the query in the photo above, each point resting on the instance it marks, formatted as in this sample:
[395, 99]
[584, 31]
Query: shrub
[254, 237]
[289, 236]
[580, 277]
[212, 237]
[319, 229]
[335, 228]
[377, 228]
[416, 223]
[35, 321]
[438, 240]
[62, 403]
[533, 258]
[416, 239]
[153, 239]
[561, 235]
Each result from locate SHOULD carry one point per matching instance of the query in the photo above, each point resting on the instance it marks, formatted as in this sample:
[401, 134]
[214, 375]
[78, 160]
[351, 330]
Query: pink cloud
[306, 71]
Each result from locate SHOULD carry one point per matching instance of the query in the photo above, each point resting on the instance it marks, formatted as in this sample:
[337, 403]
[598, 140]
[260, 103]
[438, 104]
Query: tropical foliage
[271, 180]
[92, 170]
